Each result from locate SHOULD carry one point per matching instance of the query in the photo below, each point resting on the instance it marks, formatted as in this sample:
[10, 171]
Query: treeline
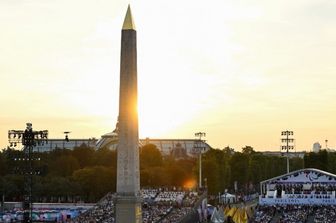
[84, 173]
[322, 160]
[87, 174]
[222, 168]
[60, 175]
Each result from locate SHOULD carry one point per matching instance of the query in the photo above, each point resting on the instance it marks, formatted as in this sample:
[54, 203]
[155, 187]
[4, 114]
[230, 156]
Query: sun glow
[162, 111]
[165, 103]
[190, 184]
[228, 67]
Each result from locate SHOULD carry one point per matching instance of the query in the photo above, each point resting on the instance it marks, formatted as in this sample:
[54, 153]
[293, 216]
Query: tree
[95, 182]
[248, 150]
[239, 167]
[255, 168]
[332, 162]
[297, 163]
[175, 176]
[12, 187]
[3, 165]
[317, 160]
[84, 155]
[154, 177]
[63, 166]
[211, 173]
[106, 157]
[228, 151]
[150, 156]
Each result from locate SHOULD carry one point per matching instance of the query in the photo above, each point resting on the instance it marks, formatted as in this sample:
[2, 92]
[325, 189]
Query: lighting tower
[287, 144]
[28, 138]
[66, 135]
[66, 138]
[199, 146]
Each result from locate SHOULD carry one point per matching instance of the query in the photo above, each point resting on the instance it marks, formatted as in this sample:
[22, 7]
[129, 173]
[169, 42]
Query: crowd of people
[45, 214]
[103, 212]
[169, 206]
[314, 188]
[149, 193]
[325, 214]
[160, 206]
[295, 214]
[170, 196]
[177, 214]
[154, 213]
[263, 214]
[290, 188]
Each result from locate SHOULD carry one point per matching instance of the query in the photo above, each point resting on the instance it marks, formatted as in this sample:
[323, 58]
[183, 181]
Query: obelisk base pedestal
[128, 209]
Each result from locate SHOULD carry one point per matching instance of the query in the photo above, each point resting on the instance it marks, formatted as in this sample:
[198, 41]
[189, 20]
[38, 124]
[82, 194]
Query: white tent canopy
[302, 186]
[228, 198]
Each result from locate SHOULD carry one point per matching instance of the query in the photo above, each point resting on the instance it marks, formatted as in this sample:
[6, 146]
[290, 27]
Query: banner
[306, 201]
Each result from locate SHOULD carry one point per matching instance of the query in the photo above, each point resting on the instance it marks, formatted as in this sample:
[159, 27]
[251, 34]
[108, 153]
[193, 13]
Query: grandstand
[159, 206]
[301, 196]
[304, 187]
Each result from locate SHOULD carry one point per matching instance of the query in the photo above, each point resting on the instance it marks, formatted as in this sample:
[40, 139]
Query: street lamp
[287, 143]
[29, 139]
[200, 147]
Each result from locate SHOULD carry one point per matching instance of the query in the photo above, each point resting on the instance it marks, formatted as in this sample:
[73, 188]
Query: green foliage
[84, 155]
[95, 181]
[3, 165]
[247, 150]
[150, 156]
[87, 174]
[12, 186]
[318, 160]
[106, 157]
[223, 167]
[63, 166]
[163, 171]
[63, 173]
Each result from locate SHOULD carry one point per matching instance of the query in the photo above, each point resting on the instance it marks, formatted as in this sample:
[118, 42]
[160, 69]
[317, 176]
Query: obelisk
[128, 201]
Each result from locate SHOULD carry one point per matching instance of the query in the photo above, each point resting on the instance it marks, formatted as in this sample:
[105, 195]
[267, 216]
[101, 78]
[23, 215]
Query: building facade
[166, 146]
[53, 144]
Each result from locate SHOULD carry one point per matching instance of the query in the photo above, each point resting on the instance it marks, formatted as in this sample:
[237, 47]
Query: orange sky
[240, 70]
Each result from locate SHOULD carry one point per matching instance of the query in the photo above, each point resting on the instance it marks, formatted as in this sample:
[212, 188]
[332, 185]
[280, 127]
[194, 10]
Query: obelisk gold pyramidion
[128, 201]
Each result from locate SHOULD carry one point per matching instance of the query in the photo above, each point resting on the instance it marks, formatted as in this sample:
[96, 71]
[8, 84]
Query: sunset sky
[240, 70]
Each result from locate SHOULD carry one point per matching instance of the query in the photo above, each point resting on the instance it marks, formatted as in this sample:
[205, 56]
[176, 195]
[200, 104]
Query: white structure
[227, 198]
[166, 146]
[53, 144]
[316, 147]
[306, 186]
